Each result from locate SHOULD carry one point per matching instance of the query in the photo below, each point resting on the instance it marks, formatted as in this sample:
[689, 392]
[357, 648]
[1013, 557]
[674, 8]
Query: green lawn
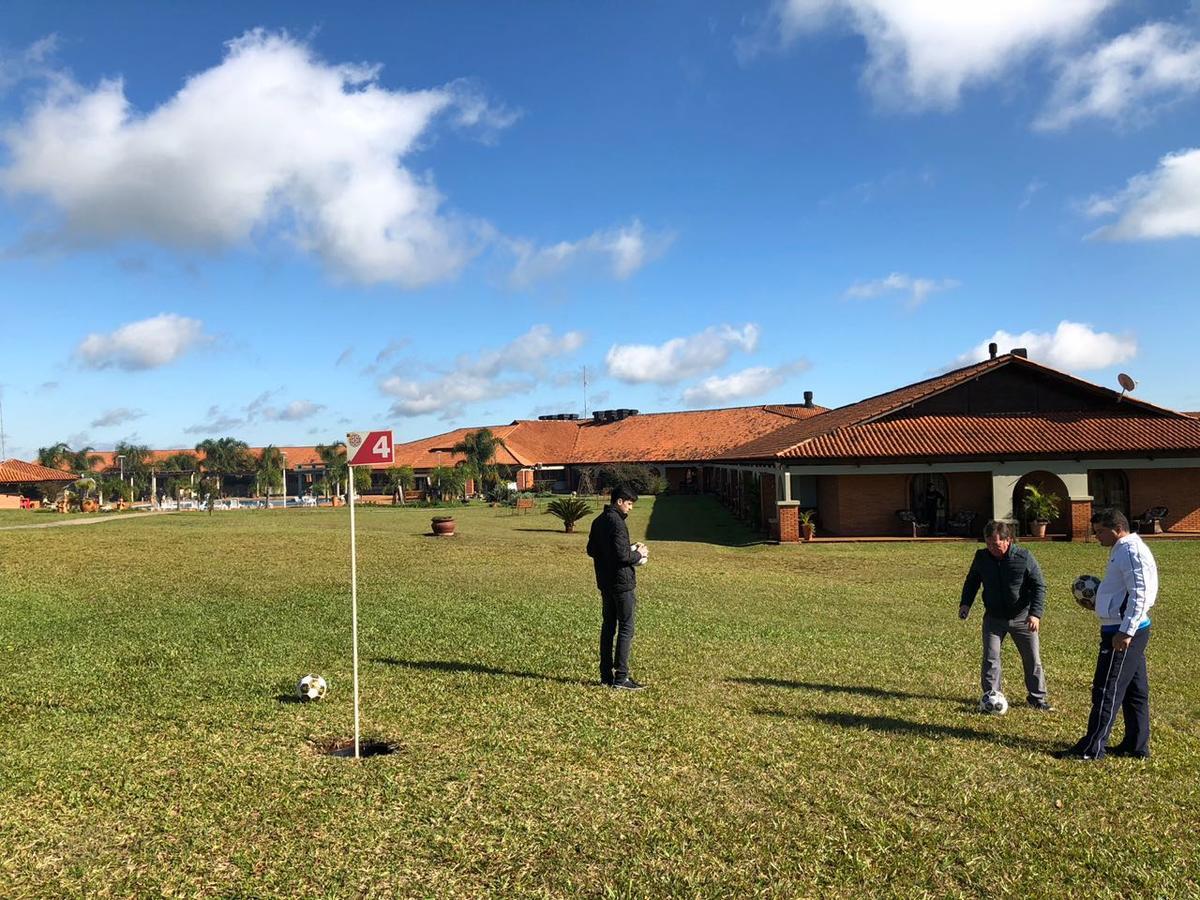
[808, 730]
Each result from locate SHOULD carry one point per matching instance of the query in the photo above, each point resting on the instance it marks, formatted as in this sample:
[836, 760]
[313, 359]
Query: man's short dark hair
[623, 492]
[1002, 530]
[1112, 519]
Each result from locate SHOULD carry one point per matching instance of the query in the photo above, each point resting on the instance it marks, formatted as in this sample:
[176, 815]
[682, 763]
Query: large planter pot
[808, 532]
[443, 525]
[1038, 529]
[89, 506]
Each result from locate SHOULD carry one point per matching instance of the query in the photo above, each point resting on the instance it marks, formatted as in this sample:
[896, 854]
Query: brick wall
[788, 526]
[973, 491]
[1176, 489]
[1081, 520]
[829, 518]
[525, 479]
[868, 504]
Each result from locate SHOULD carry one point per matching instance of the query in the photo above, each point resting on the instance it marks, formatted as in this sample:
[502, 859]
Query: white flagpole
[353, 603]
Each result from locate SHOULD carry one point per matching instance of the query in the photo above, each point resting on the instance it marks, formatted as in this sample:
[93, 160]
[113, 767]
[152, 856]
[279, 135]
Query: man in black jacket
[1014, 597]
[614, 559]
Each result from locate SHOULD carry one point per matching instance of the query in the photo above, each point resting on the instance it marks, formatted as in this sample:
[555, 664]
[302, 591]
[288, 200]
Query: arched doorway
[1047, 483]
[929, 498]
[1109, 489]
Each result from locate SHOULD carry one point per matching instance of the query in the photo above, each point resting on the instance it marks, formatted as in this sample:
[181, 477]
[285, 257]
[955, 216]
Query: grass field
[808, 730]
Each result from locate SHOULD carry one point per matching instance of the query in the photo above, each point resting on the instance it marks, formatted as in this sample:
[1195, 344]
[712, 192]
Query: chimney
[1021, 352]
[992, 350]
[808, 404]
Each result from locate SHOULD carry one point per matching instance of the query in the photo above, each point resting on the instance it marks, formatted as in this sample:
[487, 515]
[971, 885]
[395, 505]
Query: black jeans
[619, 612]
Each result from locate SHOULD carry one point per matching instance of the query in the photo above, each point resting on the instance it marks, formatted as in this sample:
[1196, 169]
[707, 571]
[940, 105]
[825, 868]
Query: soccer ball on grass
[1084, 590]
[993, 703]
[311, 687]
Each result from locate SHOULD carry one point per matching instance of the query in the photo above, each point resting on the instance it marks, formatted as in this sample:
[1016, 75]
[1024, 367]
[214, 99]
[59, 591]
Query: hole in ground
[344, 747]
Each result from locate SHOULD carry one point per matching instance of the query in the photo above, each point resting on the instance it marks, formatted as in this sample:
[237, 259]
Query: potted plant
[808, 525]
[1040, 508]
[443, 525]
[570, 510]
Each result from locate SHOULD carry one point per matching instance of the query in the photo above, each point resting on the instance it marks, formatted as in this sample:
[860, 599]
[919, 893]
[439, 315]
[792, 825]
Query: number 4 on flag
[367, 447]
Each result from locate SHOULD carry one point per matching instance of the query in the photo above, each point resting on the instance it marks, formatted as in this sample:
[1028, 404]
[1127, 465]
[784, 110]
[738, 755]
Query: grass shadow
[863, 690]
[699, 519]
[455, 666]
[893, 725]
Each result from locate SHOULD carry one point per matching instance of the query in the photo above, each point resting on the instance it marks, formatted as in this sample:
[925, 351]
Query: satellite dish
[1127, 384]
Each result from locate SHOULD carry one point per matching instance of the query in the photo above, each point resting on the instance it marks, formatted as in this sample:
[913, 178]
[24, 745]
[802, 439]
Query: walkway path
[97, 520]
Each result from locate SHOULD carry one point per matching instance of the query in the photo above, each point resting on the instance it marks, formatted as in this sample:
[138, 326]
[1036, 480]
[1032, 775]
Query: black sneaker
[1040, 705]
[1127, 752]
[628, 685]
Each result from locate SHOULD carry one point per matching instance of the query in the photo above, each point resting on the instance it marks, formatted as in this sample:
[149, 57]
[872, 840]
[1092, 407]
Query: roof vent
[1021, 352]
[559, 417]
[808, 404]
[993, 350]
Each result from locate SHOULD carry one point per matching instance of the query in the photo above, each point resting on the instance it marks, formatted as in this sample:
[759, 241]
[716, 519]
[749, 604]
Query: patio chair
[908, 517]
[1150, 522]
[962, 522]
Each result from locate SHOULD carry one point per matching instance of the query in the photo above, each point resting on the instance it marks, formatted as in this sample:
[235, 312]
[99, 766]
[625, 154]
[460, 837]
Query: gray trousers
[994, 631]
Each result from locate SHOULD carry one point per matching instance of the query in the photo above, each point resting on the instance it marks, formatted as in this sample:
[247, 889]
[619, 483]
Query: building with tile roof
[952, 451]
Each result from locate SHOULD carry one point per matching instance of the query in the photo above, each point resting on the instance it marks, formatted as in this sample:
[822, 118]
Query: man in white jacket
[1123, 602]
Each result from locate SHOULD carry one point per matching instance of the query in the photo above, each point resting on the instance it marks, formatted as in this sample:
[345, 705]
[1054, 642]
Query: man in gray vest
[1014, 597]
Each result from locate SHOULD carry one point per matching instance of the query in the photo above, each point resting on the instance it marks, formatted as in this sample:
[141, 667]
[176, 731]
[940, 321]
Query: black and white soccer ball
[311, 687]
[1084, 590]
[642, 560]
[993, 703]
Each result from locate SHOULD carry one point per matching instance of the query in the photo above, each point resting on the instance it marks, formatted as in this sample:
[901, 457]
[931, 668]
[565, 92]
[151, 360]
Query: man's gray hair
[1000, 529]
[1112, 519]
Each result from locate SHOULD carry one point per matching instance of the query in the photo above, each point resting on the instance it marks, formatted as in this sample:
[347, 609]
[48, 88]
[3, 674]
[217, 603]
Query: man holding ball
[614, 558]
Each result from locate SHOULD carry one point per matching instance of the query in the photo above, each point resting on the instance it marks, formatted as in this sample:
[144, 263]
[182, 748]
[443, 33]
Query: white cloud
[755, 381]
[116, 416]
[1072, 346]
[294, 411]
[922, 54]
[679, 358]
[622, 251]
[482, 377]
[1156, 205]
[1125, 78]
[1031, 189]
[147, 344]
[917, 289]
[272, 136]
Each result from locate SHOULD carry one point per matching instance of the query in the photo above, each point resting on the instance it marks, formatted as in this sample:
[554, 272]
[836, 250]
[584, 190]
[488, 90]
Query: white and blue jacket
[1129, 588]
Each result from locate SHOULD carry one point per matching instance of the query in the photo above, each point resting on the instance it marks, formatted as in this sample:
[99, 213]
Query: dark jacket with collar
[1011, 584]
[609, 548]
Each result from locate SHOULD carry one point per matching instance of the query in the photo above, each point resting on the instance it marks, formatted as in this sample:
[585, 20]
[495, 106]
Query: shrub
[570, 510]
[639, 478]
[1041, 507]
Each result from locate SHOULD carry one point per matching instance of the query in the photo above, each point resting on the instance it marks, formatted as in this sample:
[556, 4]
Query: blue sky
[280, 223]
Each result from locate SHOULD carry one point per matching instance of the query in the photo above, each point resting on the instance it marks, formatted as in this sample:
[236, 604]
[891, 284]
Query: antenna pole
[3, 451]
[585, 410]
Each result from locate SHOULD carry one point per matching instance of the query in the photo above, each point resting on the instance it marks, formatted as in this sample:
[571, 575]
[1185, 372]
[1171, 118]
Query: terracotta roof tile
[786, 442]
[15, 471]
[1049, 434]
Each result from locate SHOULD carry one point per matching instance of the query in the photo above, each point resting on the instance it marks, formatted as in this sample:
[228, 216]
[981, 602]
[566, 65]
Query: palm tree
[81, 460]
[137, 463]
[54, 456]
[479, 447]
[448, 480]
[176, 465]
[225, 456]
[334, 457]
[399, 479]
[269, 470]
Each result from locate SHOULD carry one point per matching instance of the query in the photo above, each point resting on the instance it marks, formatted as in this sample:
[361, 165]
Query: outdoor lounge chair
[908, 517]
[1150, 522]
[962, 522]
